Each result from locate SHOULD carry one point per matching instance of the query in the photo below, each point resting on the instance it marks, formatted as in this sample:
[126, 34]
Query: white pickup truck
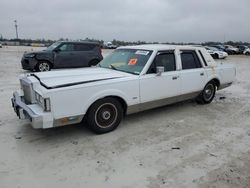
[129, 80]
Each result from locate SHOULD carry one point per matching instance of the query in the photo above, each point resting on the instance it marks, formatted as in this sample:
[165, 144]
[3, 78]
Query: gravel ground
[182, 145]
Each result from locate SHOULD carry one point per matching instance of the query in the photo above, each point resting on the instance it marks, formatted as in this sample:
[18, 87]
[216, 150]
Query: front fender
[46, 57]
[103, 94]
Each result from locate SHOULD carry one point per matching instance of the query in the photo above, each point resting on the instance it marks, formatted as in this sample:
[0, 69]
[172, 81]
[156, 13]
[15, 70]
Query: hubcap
[106, 115]
[208, 92]
[44, 67]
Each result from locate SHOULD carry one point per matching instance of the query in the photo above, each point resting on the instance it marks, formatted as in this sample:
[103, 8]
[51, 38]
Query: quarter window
[190, 60]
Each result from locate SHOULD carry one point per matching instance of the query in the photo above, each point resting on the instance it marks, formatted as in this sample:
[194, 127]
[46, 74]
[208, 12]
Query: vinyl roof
[159, 47]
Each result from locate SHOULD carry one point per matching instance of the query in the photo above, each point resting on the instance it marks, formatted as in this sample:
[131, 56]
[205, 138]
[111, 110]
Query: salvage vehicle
[129, 80]
[246, 51]
[220, 47]
[63, 55]
[242, 48]
[231, 50]
[216, 53]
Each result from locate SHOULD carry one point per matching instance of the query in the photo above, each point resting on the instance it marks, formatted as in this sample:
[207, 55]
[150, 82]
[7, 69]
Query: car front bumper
[28, 63]
[33, 112]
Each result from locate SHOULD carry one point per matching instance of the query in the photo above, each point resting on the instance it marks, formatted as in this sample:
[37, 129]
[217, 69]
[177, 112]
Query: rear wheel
[247, 53]
[208, 93]
[104, 115]
[43, 66]
[93, 62]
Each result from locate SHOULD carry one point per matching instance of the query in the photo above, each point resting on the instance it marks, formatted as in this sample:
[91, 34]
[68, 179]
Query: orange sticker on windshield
[132, 62]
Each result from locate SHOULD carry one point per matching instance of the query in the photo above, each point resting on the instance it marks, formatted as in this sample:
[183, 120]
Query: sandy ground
[182, 145]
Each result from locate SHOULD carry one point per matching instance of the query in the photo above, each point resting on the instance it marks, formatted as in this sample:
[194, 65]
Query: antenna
[16, 29]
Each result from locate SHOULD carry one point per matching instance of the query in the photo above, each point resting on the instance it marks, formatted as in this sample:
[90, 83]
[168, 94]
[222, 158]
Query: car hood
[66, 78]
[36, 53]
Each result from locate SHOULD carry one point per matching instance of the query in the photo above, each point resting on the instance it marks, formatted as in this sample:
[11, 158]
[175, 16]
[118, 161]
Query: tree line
[116, 42]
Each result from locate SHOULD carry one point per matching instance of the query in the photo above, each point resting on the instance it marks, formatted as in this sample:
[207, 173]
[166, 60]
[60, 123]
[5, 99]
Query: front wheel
[43, 66]
[104, 115]
[208, 93]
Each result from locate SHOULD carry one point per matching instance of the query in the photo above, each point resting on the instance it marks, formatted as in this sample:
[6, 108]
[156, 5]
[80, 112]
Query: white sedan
[129, 80]
[216, 53]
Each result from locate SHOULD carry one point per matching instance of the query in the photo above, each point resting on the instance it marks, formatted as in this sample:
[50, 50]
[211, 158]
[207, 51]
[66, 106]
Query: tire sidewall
[213, 94]
[92, 115]
[93, 62]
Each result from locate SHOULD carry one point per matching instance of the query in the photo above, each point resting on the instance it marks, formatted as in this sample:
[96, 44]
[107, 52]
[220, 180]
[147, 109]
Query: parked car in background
[129, 80]
[246, 51]
[219, 46]
[110, 45]
[63, 55]
[242, 48]
[216, 53]
[1, 45]
[231, 50]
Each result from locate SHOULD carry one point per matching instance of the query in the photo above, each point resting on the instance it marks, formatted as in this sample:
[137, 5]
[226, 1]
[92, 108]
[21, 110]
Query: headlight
[44, 102]
[29, 55]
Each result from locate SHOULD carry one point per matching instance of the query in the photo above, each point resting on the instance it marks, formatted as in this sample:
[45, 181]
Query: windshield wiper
[112, 67]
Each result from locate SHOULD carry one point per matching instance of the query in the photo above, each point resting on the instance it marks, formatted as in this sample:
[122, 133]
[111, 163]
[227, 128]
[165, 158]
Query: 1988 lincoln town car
[129, 80]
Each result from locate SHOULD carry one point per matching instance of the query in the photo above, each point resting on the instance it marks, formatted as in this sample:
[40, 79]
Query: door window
[83, 47]
[166, 60]
[66, 47]
[190, 60]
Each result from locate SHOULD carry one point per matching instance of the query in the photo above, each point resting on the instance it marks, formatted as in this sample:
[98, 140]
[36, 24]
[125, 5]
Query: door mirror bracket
[159, 70]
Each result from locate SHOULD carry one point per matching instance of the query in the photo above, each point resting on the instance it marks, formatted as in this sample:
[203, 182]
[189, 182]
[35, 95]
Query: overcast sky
[130, 20]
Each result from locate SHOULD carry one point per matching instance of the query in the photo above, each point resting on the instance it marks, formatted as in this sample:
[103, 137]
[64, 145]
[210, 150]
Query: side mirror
[159, 70]
[57, 50]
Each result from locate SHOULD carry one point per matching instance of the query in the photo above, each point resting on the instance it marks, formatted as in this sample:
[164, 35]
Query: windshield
[53, 46]
[127, 60]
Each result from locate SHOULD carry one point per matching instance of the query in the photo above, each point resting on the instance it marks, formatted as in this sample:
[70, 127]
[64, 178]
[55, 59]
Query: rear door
[193, 75]
[83, 54]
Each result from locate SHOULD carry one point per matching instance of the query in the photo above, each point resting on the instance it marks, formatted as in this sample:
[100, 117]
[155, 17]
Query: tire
[208, 93]
[43, 66]
[216, 56]
[104, 115]
[247, 53]
[93, 62]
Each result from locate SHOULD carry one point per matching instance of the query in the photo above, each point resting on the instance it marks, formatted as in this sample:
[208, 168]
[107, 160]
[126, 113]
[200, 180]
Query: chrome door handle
[202, 74]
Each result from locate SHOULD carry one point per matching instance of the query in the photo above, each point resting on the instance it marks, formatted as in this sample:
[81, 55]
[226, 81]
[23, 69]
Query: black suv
[63, 55]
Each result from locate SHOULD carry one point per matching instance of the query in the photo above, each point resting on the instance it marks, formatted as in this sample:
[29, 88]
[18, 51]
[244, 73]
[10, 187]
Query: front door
[65, 56]
[157, 90]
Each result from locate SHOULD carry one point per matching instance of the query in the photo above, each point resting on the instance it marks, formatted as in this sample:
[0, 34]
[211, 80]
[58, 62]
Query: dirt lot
[182, 145]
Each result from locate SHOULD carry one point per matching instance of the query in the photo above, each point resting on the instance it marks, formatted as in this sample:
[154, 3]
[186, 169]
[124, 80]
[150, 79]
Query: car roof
[161, 47]
[79, 42]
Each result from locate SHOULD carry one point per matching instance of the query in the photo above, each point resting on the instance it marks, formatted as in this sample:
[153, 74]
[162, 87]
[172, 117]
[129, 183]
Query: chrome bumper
[24, 112]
